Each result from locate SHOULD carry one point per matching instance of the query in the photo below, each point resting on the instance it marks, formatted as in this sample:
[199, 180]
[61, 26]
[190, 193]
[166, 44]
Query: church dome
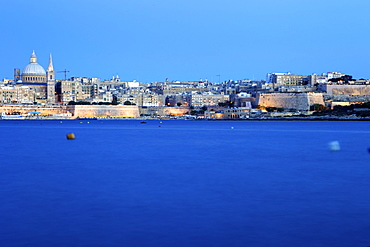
[33, 72]
[34, 69]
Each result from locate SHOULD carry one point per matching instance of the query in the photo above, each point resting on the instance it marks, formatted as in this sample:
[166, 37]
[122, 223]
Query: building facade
[41, 82]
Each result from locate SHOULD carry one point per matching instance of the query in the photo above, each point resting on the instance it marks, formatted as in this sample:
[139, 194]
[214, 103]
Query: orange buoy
[71, 136]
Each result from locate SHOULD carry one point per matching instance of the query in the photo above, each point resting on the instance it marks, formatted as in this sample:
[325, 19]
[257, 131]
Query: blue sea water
[184, 183]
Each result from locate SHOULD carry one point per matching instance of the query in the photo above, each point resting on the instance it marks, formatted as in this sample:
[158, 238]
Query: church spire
[50, 67]
[50, 80]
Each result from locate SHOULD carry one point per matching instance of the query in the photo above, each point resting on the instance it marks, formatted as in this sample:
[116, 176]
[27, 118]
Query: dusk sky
[187, 39]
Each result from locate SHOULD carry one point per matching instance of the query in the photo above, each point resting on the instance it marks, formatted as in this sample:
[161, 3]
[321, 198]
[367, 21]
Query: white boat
[5, 116]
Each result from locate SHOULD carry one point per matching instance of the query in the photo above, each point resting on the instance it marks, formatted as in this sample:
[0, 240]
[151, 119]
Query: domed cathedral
[33, 72]
[42, 82]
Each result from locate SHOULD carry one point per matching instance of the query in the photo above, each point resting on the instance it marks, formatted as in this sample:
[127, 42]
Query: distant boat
[143, 122]
[5, 116]
[87, 118]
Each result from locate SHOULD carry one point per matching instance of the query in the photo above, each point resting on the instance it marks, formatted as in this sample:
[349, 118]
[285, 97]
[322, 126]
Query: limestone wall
[164, 111]
[333, 89]
[76, 110]
[299, 101]
[104, 110]
[25, 109]
[315, 98]
[346, 98]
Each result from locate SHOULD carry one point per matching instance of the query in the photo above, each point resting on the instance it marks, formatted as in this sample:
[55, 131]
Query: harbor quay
[68, 111]
[123, 112]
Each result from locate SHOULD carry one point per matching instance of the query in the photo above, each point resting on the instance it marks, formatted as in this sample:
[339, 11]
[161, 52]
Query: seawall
[75, 110]
[103, 110]
[25, 109]
[299, 101]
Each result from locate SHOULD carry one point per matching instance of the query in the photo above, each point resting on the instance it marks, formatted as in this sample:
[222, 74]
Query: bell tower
[50, 81]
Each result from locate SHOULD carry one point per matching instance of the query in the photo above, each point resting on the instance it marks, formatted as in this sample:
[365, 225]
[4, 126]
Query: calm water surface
[184, 183]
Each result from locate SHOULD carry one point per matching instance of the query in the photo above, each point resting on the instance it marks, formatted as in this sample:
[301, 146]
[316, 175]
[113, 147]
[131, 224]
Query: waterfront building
[123, 98]
[16, 94]
[7, 94]
[242, 100]
[237, 113]
[177, 99]
[69, 91]
[150, 99]
[106, 97]
[146, 99]
[40, 81]
[177, 87]
[207, 99]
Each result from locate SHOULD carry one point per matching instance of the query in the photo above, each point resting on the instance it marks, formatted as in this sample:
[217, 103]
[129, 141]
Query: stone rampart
[346, 98]
[104, 110]
[75, 110]
[164, 111]
[25, 109]
[299, 101]
[333, 89]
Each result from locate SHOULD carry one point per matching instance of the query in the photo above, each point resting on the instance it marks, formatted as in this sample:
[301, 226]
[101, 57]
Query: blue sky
[187, 39]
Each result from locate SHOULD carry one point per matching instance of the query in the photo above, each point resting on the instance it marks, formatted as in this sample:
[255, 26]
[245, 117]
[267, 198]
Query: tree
[271, 109]
[78, 103]
[226, 104]
[345, 78]
[261, 107]
[318, 107]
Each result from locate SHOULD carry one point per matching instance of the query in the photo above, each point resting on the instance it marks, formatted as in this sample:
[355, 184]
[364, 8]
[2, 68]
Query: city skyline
[187, 40]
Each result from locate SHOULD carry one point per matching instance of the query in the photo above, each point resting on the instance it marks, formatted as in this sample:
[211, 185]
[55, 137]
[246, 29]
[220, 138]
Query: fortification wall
[104, 110]
[164, 111]
[299, 101]
[347, 98]
[25, 109]
[333, 89]
[315, 98]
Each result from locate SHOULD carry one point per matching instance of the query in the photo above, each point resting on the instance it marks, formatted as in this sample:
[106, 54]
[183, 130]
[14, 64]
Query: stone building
[324, 77]
[69, 91]
[152, 99]
[207, 99]
[242, 100]
[7, 95]
[17, 94]
[40, 81]
[285, 79]
[148, 99]
[237, 113]
[173, 100]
